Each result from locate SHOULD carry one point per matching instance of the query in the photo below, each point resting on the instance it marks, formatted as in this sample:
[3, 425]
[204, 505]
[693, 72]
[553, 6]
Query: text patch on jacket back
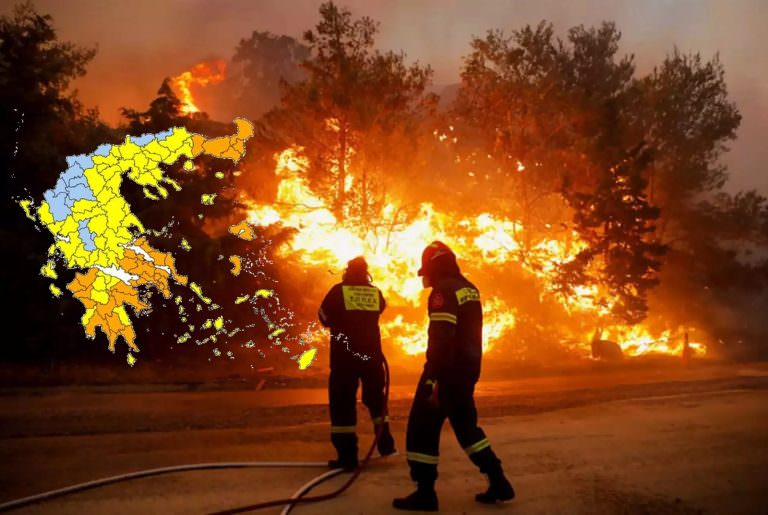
[467, 295]
[361, 298]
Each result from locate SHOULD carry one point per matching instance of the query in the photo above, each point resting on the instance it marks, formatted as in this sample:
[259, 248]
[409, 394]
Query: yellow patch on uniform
[467, 295]
[361, 298]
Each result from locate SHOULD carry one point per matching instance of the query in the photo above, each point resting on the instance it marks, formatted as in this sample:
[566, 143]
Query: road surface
[670, 441]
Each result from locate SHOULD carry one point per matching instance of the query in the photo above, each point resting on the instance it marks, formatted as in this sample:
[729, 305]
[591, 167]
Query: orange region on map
[105, 308]
[227, 147]
[243, 231]
[159, 259]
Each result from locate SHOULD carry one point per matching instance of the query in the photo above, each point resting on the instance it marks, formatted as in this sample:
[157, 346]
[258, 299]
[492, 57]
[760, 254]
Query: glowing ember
[202, 74]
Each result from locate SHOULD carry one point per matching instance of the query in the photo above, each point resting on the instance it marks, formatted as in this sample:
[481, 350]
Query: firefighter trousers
[456, 403]
[342, 400]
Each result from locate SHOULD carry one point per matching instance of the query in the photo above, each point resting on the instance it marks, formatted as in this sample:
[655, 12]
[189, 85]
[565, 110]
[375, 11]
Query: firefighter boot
[385, 444]
[346, 450]
[499, 489]
[423, 499]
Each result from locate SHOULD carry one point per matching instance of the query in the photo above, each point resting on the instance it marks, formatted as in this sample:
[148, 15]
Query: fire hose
[289, 503]
[297, 498]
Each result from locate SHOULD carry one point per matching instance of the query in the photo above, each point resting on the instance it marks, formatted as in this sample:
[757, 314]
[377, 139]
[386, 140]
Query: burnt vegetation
[559, 132]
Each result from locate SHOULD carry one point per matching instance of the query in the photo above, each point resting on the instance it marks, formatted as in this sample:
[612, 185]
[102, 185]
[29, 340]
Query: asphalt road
[663, 441]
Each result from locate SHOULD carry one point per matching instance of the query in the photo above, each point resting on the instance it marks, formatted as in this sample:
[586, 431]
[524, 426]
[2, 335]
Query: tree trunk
[341, 179]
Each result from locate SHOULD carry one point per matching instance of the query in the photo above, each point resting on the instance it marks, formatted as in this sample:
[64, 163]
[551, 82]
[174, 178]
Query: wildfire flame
[202, 74]
[636, 340]
[394, 253]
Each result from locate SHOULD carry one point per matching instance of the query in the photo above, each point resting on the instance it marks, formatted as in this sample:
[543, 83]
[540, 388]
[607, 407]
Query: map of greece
[96, 233]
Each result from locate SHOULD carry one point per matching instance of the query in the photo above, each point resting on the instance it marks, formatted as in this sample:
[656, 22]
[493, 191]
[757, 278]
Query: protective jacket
[454, 349]
[351, 311]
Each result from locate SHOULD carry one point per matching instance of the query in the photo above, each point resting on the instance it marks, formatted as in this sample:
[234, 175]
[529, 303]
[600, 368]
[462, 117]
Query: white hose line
[18, 503]
[322, 477]
[309, 486]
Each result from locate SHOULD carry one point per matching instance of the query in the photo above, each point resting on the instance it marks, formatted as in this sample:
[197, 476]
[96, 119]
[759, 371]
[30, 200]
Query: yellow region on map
[306, 358]
[264, 294]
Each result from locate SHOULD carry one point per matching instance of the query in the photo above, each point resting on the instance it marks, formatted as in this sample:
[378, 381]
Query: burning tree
[622, 258]
[686, 115]
[355, 107]
[545, 111]
[164, 112]
[558, 117]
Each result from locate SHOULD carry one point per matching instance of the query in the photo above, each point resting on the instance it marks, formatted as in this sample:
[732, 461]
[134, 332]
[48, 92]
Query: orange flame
[638, 340]
[393, 252]
[202, 74]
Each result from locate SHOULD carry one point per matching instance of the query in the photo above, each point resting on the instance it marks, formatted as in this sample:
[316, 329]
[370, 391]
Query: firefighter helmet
[357, 264]
[435, 251]
[357, 270]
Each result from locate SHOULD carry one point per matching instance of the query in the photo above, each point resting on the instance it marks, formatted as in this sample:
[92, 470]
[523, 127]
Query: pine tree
[622, 255]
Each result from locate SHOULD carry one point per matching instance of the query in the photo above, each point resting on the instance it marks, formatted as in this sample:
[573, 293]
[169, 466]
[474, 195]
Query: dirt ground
[671, 441]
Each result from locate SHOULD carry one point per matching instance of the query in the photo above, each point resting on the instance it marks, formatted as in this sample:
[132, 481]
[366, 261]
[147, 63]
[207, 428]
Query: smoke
[176, 34]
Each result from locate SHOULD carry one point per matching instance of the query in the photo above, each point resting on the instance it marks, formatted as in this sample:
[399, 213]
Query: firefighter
[447, 384]
[351, 310]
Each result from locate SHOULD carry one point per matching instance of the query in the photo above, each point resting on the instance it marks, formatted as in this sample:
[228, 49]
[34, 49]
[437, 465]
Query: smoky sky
[142, 41]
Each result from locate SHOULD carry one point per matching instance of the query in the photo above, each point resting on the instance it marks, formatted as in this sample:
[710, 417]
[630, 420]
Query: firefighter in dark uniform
[447, 384]
[351, 310]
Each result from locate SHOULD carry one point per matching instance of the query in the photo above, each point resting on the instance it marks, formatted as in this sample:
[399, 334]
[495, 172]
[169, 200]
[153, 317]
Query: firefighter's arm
[328, 312]
[382, 302]
[443, 312]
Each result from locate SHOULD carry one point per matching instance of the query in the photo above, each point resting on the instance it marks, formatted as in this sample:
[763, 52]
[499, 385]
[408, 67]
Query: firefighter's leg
[462, 414]
[373, 397]
[342, 390]
[422, 450]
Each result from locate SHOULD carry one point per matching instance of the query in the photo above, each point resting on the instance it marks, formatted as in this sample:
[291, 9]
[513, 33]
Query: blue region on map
[71, 187]
[82, 160]
[146, 138]
[86, 235]
[143, 139]
[103, 150]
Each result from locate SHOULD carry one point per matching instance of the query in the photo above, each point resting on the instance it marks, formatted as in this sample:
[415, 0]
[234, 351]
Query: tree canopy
[354, 107]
